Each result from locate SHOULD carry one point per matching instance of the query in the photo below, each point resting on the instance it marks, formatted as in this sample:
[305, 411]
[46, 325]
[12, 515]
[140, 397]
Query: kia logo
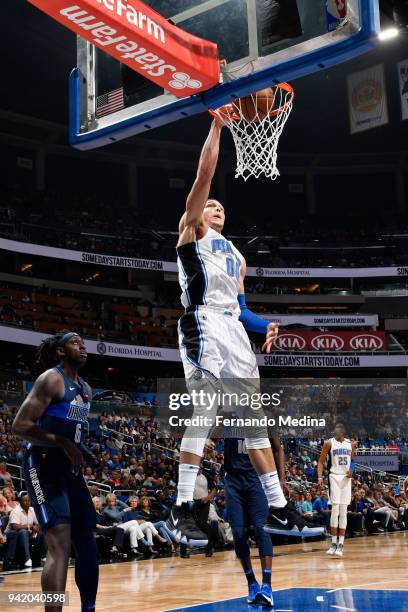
[327, 342]
[366, 342]
[287, 342]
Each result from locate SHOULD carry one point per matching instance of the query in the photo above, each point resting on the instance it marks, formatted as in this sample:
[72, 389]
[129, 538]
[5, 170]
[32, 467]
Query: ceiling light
[388, 33]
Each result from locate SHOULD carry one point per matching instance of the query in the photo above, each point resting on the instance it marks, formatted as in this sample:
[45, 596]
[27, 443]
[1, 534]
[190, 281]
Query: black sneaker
[184, 554]
[286, 521]
[183, 527]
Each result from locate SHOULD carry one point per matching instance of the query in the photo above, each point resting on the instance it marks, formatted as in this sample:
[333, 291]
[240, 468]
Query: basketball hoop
[256, 123]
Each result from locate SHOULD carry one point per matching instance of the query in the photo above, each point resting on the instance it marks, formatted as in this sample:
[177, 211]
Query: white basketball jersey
[340, 456]
[209, 272]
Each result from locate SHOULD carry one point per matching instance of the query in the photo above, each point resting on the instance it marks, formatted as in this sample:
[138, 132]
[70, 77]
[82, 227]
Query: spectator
[116, 513]
[4, 512]
[310, 472]
[320, 508]
[23, 531]
[103, 528]
[88, 474]
[5, 476]
[382, 513]
[148, 529]
[146, 513]
[10, 496]
[307, 508]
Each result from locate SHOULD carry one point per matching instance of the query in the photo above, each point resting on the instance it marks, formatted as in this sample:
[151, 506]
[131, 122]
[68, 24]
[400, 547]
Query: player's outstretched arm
[251, 321]
[200, 190]
[321, 464]
[47, 388]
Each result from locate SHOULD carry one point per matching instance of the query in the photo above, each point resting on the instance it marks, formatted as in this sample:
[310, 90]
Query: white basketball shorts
[340, 489]
[215, 341]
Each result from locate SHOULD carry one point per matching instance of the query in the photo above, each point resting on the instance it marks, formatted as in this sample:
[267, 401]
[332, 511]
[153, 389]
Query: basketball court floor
[373, 575]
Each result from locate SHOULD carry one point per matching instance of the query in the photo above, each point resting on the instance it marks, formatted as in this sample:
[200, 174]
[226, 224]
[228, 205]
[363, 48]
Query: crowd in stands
[132, 472]
[133, 320]
[89, 224]
[148, 321]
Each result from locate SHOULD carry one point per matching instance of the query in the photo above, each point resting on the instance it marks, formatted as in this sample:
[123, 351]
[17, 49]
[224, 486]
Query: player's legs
[342, 529]
[237, 514]
[340, 495]
[258, 512]
[242, 370]
[46, 481]
[83, 521]
[345, 499]
[201, 360]
[86, 567]
[54, 574]
[334, 527]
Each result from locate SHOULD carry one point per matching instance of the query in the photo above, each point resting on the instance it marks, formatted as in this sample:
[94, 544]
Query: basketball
[258, 105]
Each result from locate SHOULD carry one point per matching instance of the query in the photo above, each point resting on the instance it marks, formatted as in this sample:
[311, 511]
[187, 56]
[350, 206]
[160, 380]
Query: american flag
[110, 102]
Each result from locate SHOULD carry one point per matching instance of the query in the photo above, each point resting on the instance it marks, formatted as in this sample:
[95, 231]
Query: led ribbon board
[139, 37]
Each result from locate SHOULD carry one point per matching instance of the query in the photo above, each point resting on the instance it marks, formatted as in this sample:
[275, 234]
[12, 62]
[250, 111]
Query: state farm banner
[403, 84]
[118, 261]
[382, 463]
[360, 320]
[332, 342]
[367, 99]
[136, 35]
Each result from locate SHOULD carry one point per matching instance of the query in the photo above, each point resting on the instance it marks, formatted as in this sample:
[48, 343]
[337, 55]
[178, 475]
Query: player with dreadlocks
[52, 419]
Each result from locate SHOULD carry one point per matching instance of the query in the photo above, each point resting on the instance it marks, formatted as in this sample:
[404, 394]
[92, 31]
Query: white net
[256, 123]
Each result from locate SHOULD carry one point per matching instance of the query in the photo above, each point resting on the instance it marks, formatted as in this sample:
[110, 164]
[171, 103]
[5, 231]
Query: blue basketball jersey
[68, 416]
[235, 452]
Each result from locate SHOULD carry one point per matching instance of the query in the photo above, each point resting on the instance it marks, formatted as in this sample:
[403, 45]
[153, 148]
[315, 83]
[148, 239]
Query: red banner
[139, 37]
[360, 342]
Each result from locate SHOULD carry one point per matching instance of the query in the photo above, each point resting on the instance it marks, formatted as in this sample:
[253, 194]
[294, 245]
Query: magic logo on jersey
[341, 451]
[221, 245]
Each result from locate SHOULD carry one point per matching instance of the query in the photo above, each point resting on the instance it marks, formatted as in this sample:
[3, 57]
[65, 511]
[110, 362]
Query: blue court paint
[315, 600]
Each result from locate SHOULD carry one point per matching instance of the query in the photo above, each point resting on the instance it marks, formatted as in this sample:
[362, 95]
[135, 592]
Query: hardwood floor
[163, 584]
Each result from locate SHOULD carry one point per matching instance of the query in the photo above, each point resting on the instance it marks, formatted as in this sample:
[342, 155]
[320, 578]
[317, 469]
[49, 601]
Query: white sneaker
[339, 550]
[332, 550]
[28, 563]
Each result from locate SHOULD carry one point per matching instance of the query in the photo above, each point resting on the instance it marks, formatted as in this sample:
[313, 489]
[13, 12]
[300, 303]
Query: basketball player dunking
[341, 452]
[53, 418]
[214, 345]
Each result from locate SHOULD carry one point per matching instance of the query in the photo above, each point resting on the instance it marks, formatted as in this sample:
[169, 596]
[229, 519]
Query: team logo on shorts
[197, 374]
[101, 348]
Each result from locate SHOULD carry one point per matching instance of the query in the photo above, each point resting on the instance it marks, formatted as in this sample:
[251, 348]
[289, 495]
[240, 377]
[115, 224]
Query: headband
[65, 338]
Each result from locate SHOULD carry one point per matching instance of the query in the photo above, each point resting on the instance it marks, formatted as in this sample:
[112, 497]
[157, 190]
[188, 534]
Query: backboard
[109, 102]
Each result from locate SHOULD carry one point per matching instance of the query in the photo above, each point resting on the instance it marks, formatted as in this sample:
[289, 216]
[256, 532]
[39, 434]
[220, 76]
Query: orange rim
[228, 114]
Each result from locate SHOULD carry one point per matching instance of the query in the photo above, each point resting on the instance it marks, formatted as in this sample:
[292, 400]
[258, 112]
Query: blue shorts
[247, 505]
[57, 495]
